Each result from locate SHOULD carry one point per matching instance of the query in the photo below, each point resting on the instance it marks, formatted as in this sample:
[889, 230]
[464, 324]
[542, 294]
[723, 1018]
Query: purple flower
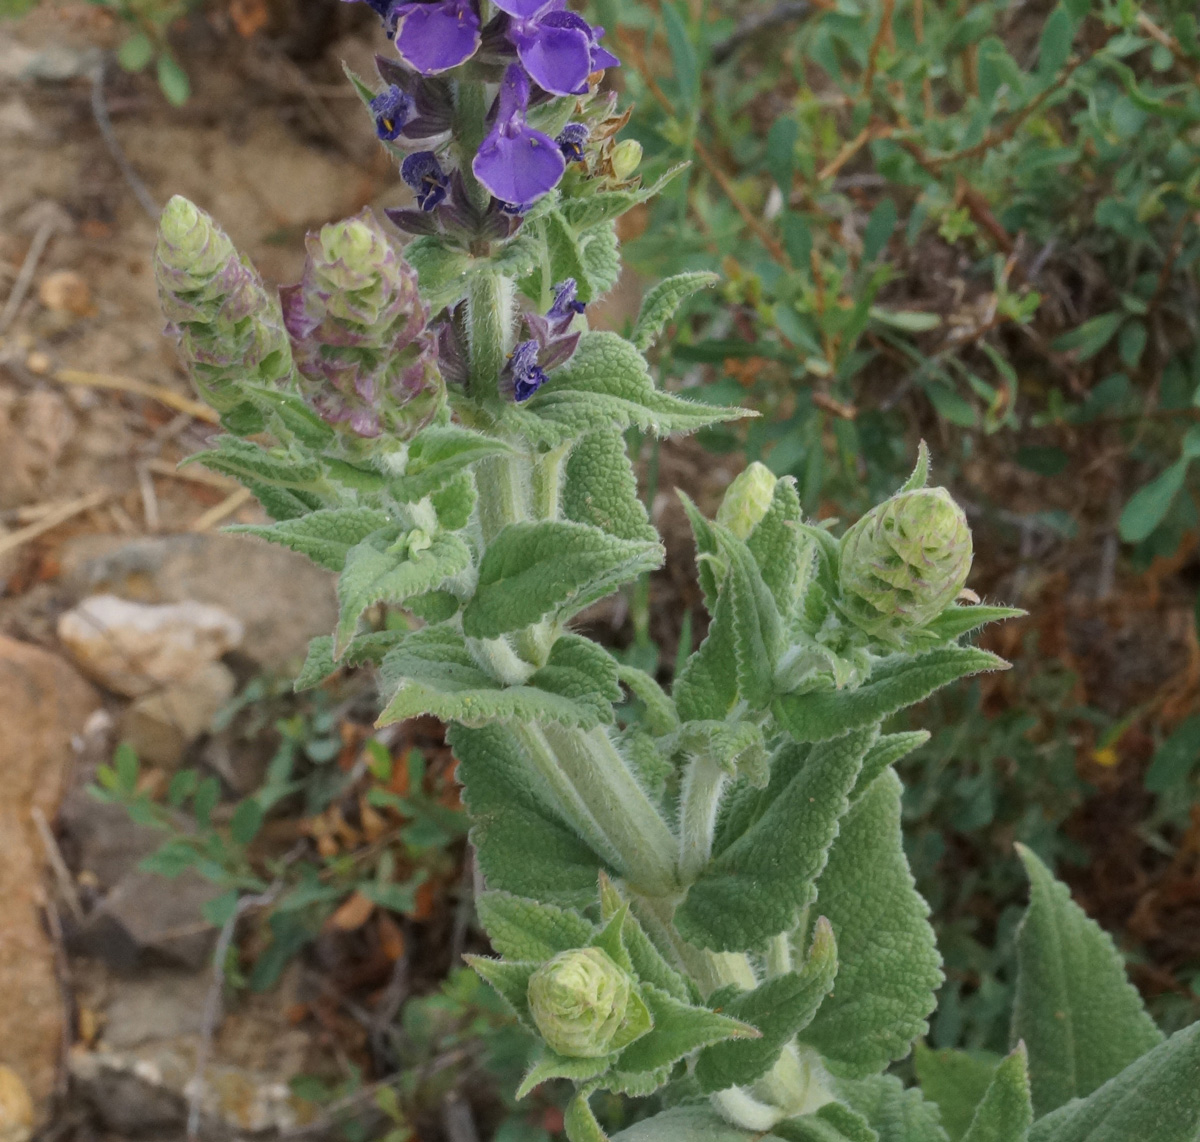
[526, 374]
[391, 109]
[422, 171]
[435, 37]
[570, 141]
[523, 9]
[566, 304]
[515, 162]
[559, 49]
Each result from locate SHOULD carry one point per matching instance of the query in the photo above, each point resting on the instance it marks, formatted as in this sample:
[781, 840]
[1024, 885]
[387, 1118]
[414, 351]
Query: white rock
[134, 648]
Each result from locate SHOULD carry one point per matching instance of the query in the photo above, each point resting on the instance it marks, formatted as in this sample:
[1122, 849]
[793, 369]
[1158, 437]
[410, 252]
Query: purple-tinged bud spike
[571, 140]
[358, 330]
[392, 109]
[229, 328]
[526, 375]
[422, 171]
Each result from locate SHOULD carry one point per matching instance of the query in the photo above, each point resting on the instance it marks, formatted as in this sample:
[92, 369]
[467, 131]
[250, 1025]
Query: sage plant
[709, 904]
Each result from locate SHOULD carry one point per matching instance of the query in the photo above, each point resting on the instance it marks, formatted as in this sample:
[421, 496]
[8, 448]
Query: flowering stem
[470, 110]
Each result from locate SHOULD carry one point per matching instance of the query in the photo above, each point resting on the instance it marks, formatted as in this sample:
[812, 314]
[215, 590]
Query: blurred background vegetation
[972, 222]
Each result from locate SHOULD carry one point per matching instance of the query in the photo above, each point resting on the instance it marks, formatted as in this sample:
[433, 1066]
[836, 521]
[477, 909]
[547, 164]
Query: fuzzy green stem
[629, 819]
[490, 311]
[470, 111]
[699, 800]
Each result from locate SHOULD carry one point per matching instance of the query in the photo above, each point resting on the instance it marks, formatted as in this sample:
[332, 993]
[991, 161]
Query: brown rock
[16, 1108]
[65, 291]
[161, 725]
[43, 702]
[282, 599]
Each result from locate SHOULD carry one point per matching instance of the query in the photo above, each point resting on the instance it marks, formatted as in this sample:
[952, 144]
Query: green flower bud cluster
[747, 499]
[579, 1001]
[904, 563]
[365, 357]
[230, 329]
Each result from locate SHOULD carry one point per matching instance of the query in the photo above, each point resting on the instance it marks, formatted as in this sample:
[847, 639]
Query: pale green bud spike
[747, 499]
[904, 562]
[579, 1000]
[230, 329]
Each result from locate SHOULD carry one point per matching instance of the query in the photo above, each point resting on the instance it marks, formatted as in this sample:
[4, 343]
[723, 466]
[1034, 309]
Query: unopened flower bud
[904, 562]
[747, 499]
[358, 329]
[626, 158]
[230, 329]
[579, 1000]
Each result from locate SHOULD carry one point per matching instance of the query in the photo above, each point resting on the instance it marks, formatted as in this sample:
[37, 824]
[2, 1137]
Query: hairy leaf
[1154, 1099]
[510, 978]
[580, 1123]
[660, 716]
[552, 1066]
[600, 488]
[706, 688]
[1005, 1113]
[783, 553]
[251, 463]
[1079, 1016]
[779, 1008]
[956, 1081]
[957, 620]
[607, 379]
[524, 929]
[433, 672]
[896, 1114]
[759, 884]
[898, 682]
[648, 962]
[366, 648]
[377, 573]
[679, 1029]
[661, 302]
[757, 630]
[888, 750]
[325, 536]
[536, 569]
[834, 1122]
[888, 965]
[688, 1124]
[436, 455]
[523, 843]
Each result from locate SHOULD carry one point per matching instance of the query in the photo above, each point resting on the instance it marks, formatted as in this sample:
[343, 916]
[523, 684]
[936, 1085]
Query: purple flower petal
[515, 162]
[391, 109]
[558, 59]
[527, 375]
[436, 37]
[570, 141]
[422, 171]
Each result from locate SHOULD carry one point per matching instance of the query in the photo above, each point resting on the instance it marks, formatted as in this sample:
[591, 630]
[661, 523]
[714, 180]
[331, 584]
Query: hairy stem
[699, 800]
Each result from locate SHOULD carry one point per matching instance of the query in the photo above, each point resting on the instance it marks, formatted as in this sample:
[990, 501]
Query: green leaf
[580, 1123]
[957, 620]
[510, 978]
[1055, 46]
[1155, 1099]
[1079, 1016]
[679, 1029]
[660, 716]
[600, 488]
[438, 454]
[888, 750]
[661, 302]
[1090, 337]
[1148, 506]
[688, 1124]
[376, 572]
[648, 963]
[757, 630]
[248, 462]
[783, 553]
[553, 567]
[325, 536]
[524, 929]
[708, 551]
[834, 1122]
[433, 672]
[136, 52]
[706, 688]
[607, 379]
[523, 844]
[442, 270]
[779, 1008]
[366, 648]
[1005, 1114]
[897, 1115]
[173, 81]
[551, 1066]
[757, 886]
[888, 965]
[247, 820]
[897, 682]
[956, 1081]
[601, 261]
[1175, 759]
